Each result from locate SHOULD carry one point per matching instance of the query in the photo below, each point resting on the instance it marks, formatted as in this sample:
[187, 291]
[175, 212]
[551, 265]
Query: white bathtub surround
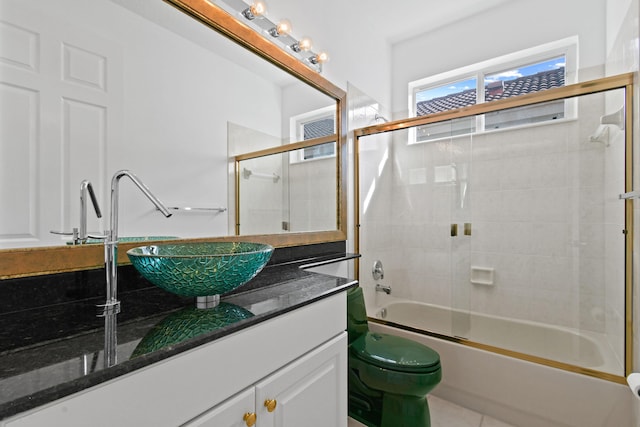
[522, 393]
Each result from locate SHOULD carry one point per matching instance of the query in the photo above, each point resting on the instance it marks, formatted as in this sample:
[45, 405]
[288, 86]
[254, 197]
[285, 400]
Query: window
[532, 70]
[317, 128]
[315, 124]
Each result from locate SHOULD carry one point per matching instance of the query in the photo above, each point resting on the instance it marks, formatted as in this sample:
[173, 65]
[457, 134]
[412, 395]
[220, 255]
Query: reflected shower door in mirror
[290, 191]
[82, 99]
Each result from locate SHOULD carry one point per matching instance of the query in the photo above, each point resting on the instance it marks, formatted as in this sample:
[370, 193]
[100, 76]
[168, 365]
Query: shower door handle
[630, 195]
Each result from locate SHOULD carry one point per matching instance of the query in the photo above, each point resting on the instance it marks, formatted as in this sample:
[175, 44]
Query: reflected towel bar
[190, 209]
[247, 173]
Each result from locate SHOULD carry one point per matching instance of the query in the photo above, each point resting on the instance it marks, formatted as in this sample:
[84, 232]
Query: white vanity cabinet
[310, 392]
[298, 359]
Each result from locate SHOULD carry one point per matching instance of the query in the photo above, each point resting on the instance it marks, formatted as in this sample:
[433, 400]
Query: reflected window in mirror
[314, 124]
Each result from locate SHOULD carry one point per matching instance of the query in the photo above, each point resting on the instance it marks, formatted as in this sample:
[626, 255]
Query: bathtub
[563, 345]
[522, 390]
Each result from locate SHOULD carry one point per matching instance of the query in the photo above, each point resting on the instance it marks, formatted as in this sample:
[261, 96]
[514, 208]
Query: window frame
[567, 47]
[296, 132]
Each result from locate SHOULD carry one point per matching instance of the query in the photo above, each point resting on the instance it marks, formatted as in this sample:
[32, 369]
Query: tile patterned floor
[447, 414]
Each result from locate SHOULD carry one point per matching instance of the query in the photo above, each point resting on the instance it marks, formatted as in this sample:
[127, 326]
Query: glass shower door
[514, 239]
[461, 148]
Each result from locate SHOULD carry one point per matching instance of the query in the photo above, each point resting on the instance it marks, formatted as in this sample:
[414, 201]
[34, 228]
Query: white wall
[358, 52]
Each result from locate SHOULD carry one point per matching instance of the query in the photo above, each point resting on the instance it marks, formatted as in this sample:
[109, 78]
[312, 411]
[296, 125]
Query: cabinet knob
[249, 418]
[270, 404]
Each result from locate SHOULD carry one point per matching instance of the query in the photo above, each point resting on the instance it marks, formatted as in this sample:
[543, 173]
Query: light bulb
[323, 57]
[319, 58]
[283, 28]
[303, 45]
[256, 10]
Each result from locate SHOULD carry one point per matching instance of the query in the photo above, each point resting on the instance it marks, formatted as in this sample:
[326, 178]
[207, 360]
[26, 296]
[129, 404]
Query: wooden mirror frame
[34, 261]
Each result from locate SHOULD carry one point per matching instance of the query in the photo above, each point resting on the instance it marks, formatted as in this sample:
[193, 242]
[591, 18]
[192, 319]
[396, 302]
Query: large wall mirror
[172, 90]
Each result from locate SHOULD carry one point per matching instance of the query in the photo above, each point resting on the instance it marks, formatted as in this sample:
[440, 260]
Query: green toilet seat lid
[395, 353]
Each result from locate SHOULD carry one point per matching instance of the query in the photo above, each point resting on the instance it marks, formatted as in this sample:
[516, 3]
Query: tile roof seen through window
[493, 91]
[319, 128]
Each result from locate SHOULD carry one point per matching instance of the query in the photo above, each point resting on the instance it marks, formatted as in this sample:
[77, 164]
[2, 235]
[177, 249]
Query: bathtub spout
[383, 288]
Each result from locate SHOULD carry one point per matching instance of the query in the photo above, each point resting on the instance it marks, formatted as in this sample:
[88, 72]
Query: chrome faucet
[112, 305]
[383, 288]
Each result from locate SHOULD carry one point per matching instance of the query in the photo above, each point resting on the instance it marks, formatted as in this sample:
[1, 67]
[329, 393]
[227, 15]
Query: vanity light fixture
[254, 15]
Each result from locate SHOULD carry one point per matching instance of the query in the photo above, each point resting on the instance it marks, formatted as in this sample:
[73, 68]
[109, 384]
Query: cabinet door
[234, 412]
[310, 392]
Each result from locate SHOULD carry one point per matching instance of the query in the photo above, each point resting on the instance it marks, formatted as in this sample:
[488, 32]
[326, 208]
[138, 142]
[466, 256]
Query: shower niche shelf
[482, 276]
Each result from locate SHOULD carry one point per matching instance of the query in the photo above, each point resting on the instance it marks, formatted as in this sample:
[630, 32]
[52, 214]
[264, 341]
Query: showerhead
[615, 119]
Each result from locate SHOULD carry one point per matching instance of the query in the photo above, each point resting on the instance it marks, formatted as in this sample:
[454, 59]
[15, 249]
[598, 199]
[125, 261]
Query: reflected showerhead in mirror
[379, 118]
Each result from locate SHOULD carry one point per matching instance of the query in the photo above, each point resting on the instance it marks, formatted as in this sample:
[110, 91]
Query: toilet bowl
[389, 376]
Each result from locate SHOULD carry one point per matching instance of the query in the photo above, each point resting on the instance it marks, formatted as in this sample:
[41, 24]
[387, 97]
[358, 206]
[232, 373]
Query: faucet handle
[73, 233]
[97, 236]
[377, 271]
[94, 200]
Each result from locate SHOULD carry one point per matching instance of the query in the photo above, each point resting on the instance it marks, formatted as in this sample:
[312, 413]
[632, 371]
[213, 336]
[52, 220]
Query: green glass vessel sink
[200, 269]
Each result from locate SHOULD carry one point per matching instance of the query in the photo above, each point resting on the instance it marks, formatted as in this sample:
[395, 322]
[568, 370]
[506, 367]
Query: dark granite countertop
[49, 351]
